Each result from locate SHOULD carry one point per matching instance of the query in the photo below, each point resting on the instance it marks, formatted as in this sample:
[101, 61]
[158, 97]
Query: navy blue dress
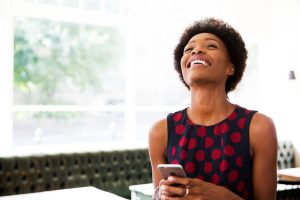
[219, 153]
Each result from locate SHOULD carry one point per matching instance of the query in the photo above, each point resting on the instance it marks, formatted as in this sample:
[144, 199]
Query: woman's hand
[175, 188]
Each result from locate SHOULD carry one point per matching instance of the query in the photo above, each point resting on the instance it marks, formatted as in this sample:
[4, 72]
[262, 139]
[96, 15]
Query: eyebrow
[208, 38]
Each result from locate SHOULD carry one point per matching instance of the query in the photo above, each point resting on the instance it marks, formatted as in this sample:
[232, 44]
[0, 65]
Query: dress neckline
[231, 115]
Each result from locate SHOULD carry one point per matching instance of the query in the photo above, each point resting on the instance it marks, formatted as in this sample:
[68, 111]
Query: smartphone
[171, 170]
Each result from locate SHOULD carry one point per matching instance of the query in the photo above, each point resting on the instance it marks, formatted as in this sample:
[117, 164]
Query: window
[101, 71]
[81, 80]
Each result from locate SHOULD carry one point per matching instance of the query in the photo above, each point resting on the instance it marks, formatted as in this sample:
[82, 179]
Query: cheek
[183, 62]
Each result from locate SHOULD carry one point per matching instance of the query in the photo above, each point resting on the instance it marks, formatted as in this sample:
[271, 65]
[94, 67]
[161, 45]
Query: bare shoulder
[158, 131]
[262, 124]
[263, 130]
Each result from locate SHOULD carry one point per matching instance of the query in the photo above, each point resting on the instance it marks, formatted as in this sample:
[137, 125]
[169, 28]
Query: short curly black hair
[232, 39]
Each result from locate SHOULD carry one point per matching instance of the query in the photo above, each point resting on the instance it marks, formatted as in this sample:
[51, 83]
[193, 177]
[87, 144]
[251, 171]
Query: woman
[228, 152]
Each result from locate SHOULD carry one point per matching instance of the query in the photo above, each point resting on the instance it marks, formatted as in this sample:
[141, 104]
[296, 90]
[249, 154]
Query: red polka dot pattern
[173, 151]
[223, 165]
[239, 161]
[192, 143]
[236, 137]
[180, 129]
[201, 132]
[182, 141]
[241, 122]
[183, 155]
[190, 167]
[208, 142]
[218, 153]
[240, 186]
[177, 117]
[207, 167]
[215, 179]
[233, 175]
[228, 150]
[200, 156]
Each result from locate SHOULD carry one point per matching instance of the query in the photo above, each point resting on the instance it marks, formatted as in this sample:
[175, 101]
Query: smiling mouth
[198, 63]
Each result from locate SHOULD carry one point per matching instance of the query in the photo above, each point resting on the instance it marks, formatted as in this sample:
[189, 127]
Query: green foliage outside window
[53, 58]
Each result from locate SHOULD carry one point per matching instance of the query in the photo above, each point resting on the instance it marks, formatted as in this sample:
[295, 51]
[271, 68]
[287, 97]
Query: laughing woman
[227, 151]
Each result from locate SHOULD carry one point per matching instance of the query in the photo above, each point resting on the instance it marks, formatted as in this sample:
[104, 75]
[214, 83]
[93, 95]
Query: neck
[209, 106]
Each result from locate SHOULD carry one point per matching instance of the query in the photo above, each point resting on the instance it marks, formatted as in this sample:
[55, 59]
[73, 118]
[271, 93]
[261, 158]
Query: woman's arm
[263, 142]
[157, 147]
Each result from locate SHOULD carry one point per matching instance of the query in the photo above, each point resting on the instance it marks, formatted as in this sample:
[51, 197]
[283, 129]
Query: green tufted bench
[112, 171]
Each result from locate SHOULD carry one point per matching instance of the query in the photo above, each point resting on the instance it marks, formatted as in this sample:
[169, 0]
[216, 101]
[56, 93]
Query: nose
[198, 50]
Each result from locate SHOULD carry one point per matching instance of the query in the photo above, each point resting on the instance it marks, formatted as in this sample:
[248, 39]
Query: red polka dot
[223, 165]
[233, 175]
[217, 130]
[247, 112]
[190, 122]
[216, 154]
[228, 150]
[232, 116]
[245, 194]
[177, 117]
[207, 167]
[239, 161]
[200, 156]
[180, 129]
[183, 155]
[236, 137]
[182, 141]
[174, 162]
[241, 122]
[208, 142]
[224, 128]
[173, 151]
[200, 177]
[190, 167]
[201, 132]
[215, 179]
[192, 143]
[240, 186]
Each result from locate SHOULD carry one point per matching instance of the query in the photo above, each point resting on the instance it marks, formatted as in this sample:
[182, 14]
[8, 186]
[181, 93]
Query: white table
[82, 193]
[142, 191]
[292, 174]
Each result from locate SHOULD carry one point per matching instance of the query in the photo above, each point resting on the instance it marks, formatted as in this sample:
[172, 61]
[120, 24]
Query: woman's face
[205, 60]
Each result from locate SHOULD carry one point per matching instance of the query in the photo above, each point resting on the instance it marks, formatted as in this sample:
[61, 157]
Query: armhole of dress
[169, 139]
[250, 151]
[248, 137]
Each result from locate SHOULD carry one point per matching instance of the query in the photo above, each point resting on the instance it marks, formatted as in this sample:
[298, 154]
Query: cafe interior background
[95, 74]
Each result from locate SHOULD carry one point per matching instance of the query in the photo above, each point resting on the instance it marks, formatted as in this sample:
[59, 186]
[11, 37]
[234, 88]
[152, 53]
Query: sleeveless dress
[219, 153]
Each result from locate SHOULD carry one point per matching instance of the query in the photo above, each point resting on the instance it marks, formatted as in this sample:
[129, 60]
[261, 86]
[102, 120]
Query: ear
[231, 70]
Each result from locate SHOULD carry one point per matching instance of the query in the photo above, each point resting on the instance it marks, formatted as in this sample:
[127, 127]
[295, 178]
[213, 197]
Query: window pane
[33, 128]
[51, 2]
[66, 63]
[71, 3]
[112, 6]
[92, 4]
[145, 120]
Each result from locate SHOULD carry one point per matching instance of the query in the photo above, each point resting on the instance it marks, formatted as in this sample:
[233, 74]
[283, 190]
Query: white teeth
[199, 62]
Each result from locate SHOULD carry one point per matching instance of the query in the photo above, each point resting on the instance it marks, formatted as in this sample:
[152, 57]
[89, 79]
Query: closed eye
[188, 50]
[212, 46]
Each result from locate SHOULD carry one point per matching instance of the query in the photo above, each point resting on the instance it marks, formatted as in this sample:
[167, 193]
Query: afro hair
[230, 37]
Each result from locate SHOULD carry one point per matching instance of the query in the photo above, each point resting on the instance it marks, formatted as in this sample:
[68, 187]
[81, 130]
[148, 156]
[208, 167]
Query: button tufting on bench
[113, 171]
[286, 155]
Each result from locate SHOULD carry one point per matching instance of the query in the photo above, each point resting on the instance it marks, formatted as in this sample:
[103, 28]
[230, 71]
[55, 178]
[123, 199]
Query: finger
[171, 191]
[179, 180]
